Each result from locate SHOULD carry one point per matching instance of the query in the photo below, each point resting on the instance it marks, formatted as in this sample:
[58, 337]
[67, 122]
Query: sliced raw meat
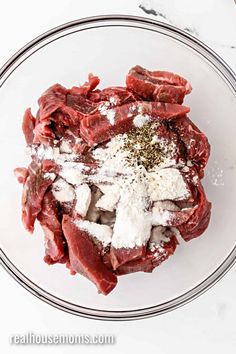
[80, 104]
[21, 174]
[114, 210]
[28, 126]
[53, 239]
[43, 133]
[118, 96]
[94, 96]
[87, 87]
[33, 192]
[163, 214]
[50, 166]
[153, 258]
[97, 128]
[51, 100]
[85, 257]
[119, 256]
[196, 143]
[199, 220]
[169, 93]
[47, 259]
[160, 86]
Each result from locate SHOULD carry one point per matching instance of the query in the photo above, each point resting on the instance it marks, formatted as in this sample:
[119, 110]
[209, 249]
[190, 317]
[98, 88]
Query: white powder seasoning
[160, 216]
[140, 120]
[83, 199]
[62, 191]
[73, 172]
[158, 235]
[65, 147]
[105, 110]
[50, 175]
[133, 223]
[111, 113]
[102, 232]
[126, 187]
[167, 183]
[110, 197]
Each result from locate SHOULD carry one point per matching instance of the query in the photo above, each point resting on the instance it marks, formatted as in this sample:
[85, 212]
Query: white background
[206, 324]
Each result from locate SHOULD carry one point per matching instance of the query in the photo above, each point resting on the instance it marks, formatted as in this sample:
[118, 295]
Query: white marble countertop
[207, 323]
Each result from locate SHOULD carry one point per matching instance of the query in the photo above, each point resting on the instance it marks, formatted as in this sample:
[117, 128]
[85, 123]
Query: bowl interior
[109, 50]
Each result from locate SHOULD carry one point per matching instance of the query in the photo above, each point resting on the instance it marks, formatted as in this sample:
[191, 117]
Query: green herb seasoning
[144, 146]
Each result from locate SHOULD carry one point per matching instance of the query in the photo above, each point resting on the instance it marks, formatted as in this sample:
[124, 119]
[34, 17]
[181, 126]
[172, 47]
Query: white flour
[83, 199]
[126, 186]
[105, 110]
[102, 232]
[140, 120]
[110, 197]
[167, 183]
[50, 175]
[62, 191]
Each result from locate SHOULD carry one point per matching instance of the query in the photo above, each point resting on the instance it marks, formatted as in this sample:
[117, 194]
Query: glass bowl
[108, 46]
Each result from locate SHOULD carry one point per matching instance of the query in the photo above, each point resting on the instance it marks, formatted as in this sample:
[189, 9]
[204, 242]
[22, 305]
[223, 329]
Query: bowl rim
[230, 260]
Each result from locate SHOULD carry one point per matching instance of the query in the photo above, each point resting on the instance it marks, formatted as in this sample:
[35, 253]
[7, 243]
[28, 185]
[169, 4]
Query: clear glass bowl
[108, 46]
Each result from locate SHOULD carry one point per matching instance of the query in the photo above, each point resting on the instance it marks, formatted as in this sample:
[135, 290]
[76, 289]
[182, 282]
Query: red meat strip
[94, 96]
[60, 108]
[33, 192]
[53, 239]
[50, 166]
[85, 257]
[196, 143]
[152, 259]
[119, 256]
[199, 220]
[28, 126]
[96, 128]
[120, 95]
[80, 105]
[21, 174]
[176, 218]
[51, 100]
[160, 86]
[43, 133]
[87, 87]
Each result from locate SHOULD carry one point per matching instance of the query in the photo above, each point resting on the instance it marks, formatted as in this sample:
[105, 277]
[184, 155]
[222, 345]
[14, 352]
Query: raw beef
[162, 86]
[78, 120]
[199, 220]
[196, 143]
[123, 255]
[85, 257]
[53, 238]
[96, 128]
[153, 258]
[34, 190]
[21, 174]
[28, 126]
